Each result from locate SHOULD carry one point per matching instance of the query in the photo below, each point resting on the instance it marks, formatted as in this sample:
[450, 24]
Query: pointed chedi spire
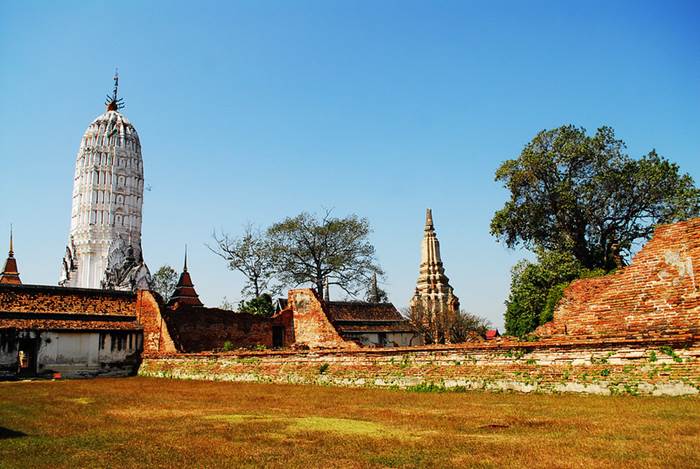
[114, 103]
[434, 296]
[184, 294]
[428, 219]
[10, 274]
[184, 267]
[326, 290]
[373, 296]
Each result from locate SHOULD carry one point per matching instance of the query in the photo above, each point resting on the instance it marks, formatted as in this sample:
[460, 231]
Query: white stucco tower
[104, 247]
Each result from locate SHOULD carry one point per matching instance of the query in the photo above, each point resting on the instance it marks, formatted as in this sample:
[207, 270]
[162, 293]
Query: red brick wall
[50, 299]
[311, 325]
[657, 294]
[156, 337]
[664, 366]
[199, 329]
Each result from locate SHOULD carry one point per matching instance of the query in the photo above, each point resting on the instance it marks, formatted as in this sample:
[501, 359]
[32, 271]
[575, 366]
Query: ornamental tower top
[104, 248]
[10, 274]
[434, 301]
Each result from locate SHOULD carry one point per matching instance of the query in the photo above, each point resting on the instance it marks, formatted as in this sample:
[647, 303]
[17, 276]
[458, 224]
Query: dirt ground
[137, 422]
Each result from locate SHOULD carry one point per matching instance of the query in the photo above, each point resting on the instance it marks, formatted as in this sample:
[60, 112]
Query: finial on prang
[12, 250]
[113, 102]
[184, 268]
[428, 219]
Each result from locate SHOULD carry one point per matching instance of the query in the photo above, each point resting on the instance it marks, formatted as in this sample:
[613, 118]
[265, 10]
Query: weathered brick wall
[202, 329]
[311, 325]
[657, 294]
[49, 299]
[656, 367]
[156, 337]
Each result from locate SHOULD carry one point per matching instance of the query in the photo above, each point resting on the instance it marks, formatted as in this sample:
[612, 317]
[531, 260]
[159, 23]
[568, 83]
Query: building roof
[361, 311]
[55, 289]
[359, 317]
[67, 321]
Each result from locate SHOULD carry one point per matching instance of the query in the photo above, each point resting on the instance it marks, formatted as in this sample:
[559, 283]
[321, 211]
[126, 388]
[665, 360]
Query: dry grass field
[139, 422]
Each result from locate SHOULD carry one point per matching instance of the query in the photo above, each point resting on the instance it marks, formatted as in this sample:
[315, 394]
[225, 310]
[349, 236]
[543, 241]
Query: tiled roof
[359, 311]
[87, 292]
[358, 317]
[64, 321]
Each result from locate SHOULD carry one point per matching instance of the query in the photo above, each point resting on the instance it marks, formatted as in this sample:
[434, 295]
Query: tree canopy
[249, 254]
[311, 249]
[582, 194]
[300, 250]
[164, 281]
[537, 287]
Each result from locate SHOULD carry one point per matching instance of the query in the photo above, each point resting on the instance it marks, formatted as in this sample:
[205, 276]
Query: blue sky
[253, 111]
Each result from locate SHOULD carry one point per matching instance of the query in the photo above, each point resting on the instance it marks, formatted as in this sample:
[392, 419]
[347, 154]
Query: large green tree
[165, 281]
[312, 249]
[537, 286]
[582, 194]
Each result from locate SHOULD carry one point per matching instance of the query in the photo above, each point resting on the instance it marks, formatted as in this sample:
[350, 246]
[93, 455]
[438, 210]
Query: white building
[104, 248]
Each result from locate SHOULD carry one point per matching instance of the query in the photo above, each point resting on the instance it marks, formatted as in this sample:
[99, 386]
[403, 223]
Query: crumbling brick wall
[197, 329]
[663, 366]
[156, 337]
[50, 299]
[658, 294]
[311, 325]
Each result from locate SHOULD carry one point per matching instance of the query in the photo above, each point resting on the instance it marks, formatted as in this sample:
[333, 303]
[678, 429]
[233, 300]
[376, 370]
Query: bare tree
[250, 255]
[468, 325]
[308, 249]
[463, 327]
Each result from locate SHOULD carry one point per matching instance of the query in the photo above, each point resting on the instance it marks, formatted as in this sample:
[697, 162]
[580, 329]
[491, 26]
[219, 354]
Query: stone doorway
[27, 357]
[277, 336]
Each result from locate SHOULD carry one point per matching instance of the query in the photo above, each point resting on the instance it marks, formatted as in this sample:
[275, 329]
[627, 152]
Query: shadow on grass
[6, 433]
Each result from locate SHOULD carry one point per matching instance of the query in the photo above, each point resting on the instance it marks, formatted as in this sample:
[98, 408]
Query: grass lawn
[137, 422]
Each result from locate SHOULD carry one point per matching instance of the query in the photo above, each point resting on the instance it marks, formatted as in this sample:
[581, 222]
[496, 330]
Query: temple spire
[326, 290]
[10, 274]
[114, 103]
[428, 220]
[184, 294]
[184, 268]
[434, 298]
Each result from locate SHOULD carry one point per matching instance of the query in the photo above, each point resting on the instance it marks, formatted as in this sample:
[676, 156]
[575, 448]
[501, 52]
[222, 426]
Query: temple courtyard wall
[669, 366]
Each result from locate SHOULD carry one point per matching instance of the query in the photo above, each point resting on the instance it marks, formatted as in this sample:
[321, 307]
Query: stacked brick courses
[668, 366]
[48, 299]
[658, 294]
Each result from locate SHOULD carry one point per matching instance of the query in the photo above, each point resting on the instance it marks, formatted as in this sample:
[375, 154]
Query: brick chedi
[657, 295]
[184, 294]
[104, 247]
[434, 302]
[10, 274]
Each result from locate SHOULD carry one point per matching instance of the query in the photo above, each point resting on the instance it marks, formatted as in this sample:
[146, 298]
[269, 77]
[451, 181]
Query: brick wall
[311, 325]
[156, 337]
[199, 329]
[653, 366]
[50, 299]
[658, 294]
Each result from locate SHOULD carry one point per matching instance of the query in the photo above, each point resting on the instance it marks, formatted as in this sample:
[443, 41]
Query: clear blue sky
[253, 111]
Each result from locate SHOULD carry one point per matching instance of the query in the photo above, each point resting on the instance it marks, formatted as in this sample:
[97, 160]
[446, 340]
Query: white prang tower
[104, 248]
